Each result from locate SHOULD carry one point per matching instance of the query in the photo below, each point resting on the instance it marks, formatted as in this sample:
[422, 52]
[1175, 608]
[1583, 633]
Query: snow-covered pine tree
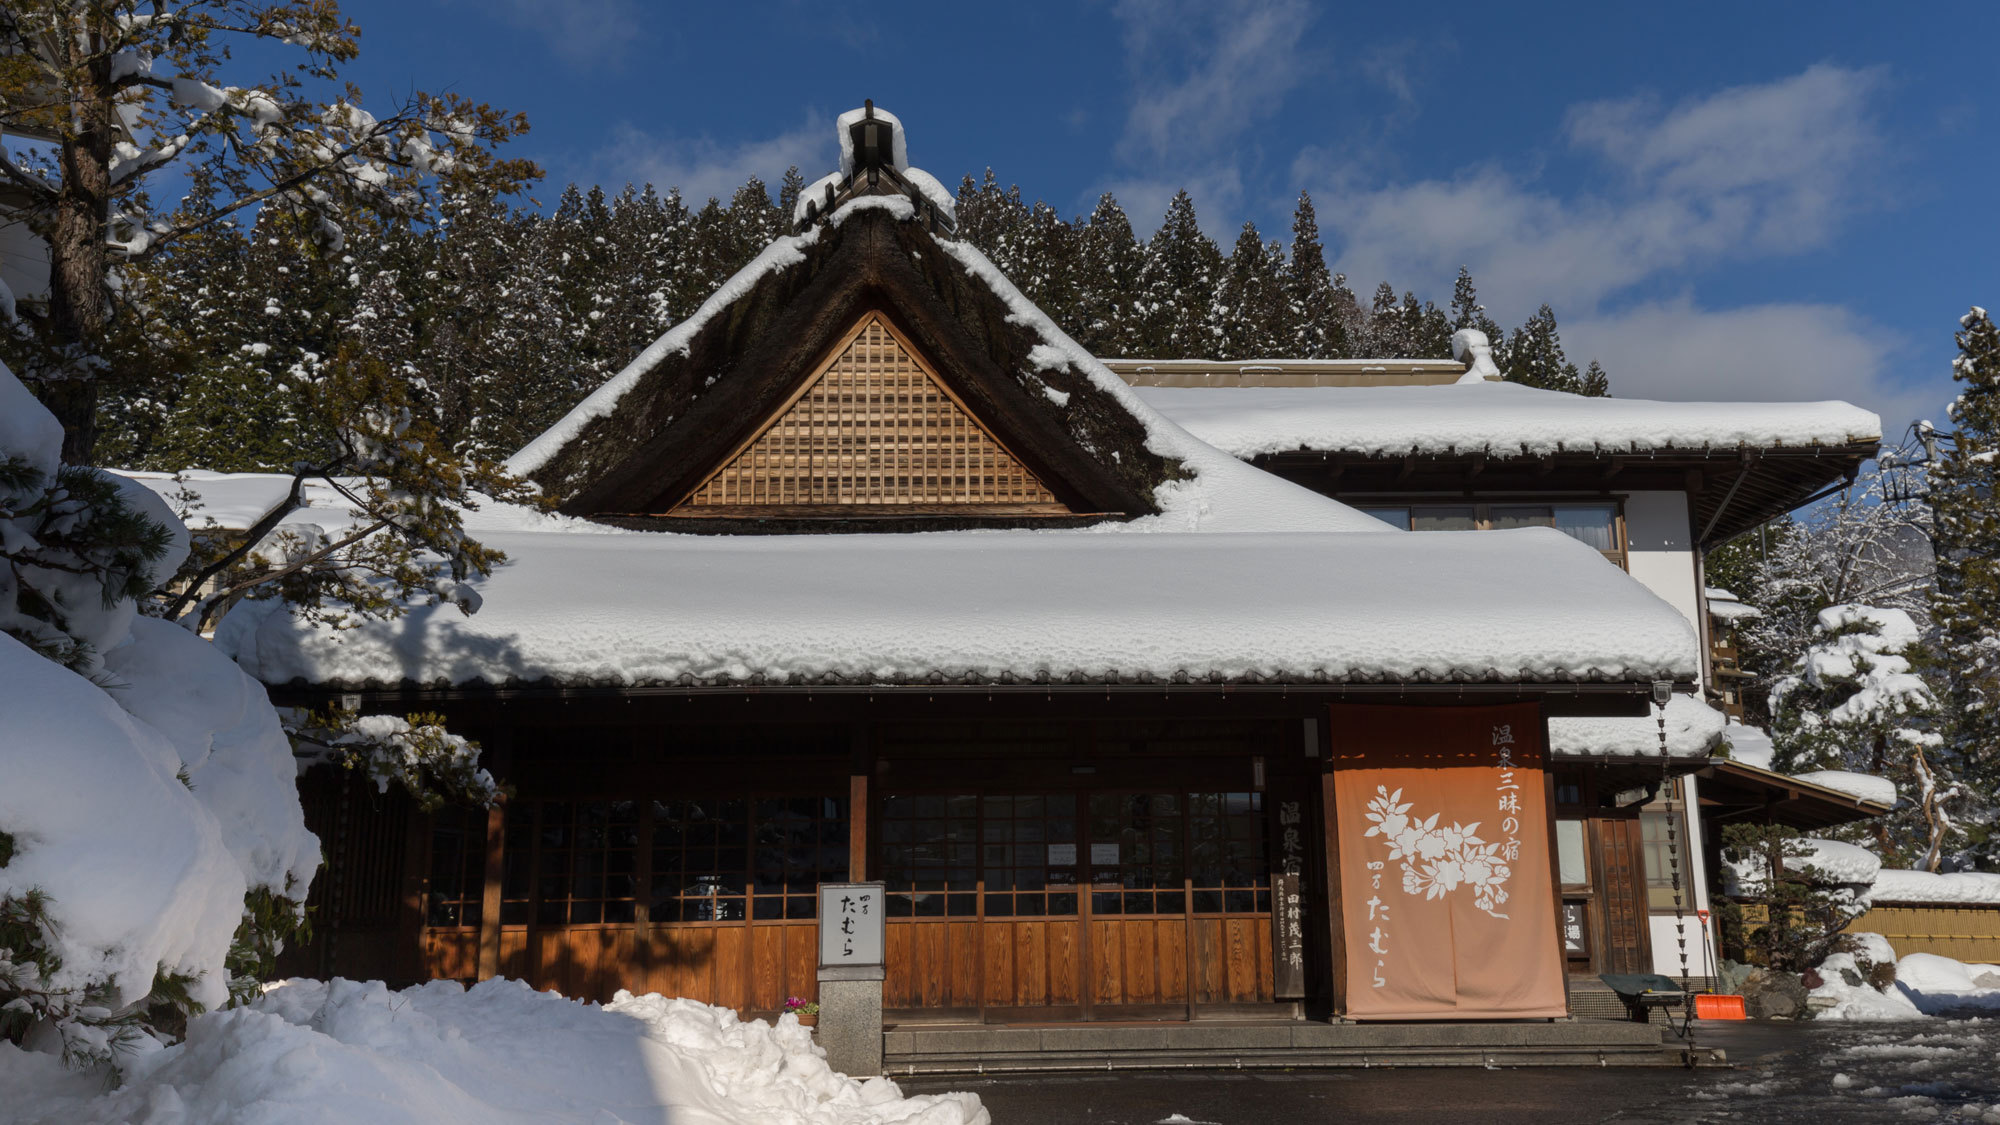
[1534, 355]
[1314, 308]
[130, 98]
[1105, 315]
[1388, 337]
[1467, 312]
[1853, 701]
[1596, 383]
[1427, 331]
[1964, 491]
[1250, 306]
[1178, 285]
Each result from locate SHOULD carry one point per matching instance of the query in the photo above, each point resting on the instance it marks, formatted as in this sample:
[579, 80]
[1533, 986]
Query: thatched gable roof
[654, 432]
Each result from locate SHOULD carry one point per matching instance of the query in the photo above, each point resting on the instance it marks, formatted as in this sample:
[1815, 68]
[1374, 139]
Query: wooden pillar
[857, 827]
[498, 758]
[1555, 856]
[861, 766]
[1329, 822]
[408, 962]
[489, 902]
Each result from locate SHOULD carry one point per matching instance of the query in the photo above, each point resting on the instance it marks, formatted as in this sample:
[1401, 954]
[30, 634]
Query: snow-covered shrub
[145, 804]
[1788, 898]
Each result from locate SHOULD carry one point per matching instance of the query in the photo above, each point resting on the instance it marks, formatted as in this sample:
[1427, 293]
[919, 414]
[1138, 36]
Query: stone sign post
[850, 976]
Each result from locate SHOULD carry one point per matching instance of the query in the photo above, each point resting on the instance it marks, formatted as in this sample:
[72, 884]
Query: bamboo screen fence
[1968, 933]
[874, 429]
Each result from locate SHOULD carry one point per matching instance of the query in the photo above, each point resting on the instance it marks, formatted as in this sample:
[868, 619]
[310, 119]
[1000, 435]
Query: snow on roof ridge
[1471, 347]
[1501, 419]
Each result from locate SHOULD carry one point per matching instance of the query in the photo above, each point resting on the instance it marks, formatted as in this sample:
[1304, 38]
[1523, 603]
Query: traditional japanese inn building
[1118, 677]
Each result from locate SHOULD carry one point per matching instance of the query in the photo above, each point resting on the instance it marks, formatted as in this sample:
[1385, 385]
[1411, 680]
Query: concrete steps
[970, 1049]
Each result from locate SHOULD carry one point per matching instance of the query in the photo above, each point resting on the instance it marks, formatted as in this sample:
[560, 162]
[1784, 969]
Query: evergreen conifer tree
[1964, 486]
[1318, 323]
[1178, 285]
[1105, 316]
[1250, 306]
[1535, 355]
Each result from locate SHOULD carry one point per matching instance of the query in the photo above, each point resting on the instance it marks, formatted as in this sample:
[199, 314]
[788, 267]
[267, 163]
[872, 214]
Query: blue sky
[1733, 201]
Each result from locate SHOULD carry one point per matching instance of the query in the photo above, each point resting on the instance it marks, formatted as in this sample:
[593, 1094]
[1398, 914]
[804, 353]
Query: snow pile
[1727, 607]
[1926, 985]
[1929, 887]
[1499, 419]
[1860, 786]
[1693, 728]
[1751, 746]
[498, 1054]
[145, 801]
[1831, 861]
[1862, 645]
[1471, 347]
[1020, 606]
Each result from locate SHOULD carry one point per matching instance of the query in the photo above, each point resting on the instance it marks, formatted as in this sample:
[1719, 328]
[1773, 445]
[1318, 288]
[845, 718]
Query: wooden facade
[1047, 859]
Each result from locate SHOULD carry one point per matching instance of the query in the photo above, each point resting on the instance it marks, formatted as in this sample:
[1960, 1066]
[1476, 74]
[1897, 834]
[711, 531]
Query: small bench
[1643, 992]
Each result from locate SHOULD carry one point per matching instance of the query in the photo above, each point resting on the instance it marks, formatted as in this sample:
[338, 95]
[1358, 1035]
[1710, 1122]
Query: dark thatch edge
[691, 410]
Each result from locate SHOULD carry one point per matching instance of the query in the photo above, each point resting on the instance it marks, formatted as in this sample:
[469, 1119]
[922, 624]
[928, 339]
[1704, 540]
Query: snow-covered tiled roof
[1499, 419]
[1693, 729]
[580, 605]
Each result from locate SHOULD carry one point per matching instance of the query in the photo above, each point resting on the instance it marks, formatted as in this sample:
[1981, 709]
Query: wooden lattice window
[873, 432]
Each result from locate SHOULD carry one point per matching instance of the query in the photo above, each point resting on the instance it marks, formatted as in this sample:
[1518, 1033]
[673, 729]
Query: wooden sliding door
[1076, 904]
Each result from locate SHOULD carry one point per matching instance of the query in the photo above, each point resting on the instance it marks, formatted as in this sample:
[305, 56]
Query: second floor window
[1595, 524]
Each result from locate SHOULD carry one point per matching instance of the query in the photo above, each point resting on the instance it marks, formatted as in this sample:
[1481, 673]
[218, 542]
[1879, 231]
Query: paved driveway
[1811, 1073]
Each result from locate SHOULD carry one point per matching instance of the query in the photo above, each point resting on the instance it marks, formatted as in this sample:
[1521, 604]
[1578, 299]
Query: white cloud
[1677, 350]
[1750, 170]
[702, 167]
[1204, 70]
[1202, 74]
[582, 33]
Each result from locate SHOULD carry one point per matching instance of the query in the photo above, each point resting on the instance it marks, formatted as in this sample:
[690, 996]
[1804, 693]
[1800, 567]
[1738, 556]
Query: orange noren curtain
[1446, 894]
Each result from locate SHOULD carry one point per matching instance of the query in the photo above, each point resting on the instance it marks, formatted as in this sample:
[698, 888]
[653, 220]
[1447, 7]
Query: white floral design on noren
[1437, 861]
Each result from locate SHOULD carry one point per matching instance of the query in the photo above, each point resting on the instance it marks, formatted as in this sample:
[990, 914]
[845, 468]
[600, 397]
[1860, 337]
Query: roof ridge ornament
[874, 160]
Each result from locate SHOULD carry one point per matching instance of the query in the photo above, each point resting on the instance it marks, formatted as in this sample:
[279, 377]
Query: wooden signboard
[1576, 934]
[850, 924]
[1288, 938]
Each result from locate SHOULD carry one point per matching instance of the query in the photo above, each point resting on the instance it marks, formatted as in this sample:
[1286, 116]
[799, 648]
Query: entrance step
[1276, 1045]
[1592, 999]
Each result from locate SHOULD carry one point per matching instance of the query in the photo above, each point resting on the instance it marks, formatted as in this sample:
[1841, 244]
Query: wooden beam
[857, 827]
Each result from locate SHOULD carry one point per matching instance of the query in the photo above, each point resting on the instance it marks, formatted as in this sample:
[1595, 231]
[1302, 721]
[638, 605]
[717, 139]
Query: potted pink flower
[806, 1010]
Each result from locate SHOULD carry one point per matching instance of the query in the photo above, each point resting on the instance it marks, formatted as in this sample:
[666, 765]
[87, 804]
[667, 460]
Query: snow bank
[1926, 985]
[1693, 727]
[588, 609]
[1499, 419]
[138, 872]
[145, 801]
[1971, 887]
[498, 1054]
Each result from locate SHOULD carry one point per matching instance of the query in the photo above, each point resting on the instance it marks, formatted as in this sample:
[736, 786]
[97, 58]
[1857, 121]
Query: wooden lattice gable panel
[874, 430]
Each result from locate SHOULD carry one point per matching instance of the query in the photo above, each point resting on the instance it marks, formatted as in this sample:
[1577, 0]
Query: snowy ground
[310, 1052]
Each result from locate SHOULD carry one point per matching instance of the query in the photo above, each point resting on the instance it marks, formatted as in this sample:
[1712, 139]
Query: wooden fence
[1966, 933]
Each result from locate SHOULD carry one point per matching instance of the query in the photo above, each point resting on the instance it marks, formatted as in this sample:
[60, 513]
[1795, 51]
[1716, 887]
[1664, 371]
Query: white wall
[1660, 554]
[1661, 549]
